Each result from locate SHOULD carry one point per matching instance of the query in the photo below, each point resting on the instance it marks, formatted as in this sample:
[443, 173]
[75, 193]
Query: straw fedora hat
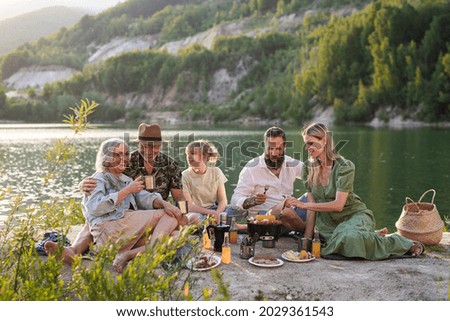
[149, 133]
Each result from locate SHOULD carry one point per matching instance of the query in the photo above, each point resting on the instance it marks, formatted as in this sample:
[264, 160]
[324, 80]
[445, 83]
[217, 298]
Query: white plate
[284, 257]
[279, 263]
[213, 258]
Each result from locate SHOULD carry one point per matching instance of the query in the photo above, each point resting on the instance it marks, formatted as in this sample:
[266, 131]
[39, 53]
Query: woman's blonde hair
[209, 151]
[319, 131]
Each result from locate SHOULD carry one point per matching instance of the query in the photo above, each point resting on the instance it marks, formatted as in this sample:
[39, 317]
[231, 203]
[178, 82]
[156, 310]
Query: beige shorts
[129, 229]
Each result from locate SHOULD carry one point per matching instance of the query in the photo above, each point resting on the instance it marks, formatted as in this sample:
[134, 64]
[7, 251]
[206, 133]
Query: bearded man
[267, 180]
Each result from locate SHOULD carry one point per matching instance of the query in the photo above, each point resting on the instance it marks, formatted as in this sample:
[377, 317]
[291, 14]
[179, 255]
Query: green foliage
[3, 104]
[31, 93]
[194, 112]
[27, 110]
[143, 278]
[78, 121]
[437, 97]
[383, 116]
[266, 5]
[13, 62]
[388, 54]
[391, 53]
[134, 115]
[341, 111]
[23, 274]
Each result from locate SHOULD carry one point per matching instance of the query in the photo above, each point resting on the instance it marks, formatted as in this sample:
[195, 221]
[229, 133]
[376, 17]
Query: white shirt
[256, 175]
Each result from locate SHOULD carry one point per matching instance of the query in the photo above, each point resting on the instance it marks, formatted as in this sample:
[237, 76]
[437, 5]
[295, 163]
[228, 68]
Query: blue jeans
[301, 212]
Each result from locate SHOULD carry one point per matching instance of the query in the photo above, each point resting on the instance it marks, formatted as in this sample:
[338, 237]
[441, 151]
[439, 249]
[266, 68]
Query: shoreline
[376, 124]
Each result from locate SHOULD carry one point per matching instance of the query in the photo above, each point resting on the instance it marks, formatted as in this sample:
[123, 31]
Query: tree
[31, 92]
[446, 63]
[176, 28]
[166, 76]
[280, 8]
[436, 39]
[253, 5]
[3, 103]
[266, 5]
[13, 62]
[437, 99]
[415, 89]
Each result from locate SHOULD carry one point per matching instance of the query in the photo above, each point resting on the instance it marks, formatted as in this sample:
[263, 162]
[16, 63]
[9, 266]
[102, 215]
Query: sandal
[417, 249]
[50, 236]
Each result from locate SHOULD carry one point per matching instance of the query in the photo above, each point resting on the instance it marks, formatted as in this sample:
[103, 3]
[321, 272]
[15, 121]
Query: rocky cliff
[224, 82]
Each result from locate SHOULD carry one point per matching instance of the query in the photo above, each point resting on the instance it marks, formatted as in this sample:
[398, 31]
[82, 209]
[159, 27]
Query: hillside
[32, 26]
[284, 61]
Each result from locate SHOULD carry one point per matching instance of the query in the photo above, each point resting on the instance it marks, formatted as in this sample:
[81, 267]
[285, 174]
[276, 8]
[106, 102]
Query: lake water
[391, 164]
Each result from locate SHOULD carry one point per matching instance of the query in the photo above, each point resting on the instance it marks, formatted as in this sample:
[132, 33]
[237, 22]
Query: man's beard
[274, 164]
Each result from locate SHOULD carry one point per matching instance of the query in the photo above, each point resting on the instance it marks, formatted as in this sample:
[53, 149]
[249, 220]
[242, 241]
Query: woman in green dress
[343, 220]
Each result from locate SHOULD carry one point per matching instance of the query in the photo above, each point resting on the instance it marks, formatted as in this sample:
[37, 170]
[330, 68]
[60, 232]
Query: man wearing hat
[147, 160]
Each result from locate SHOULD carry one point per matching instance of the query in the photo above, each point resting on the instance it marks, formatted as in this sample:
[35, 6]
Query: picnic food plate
[265, 261]
[292, 256]
[203, 263]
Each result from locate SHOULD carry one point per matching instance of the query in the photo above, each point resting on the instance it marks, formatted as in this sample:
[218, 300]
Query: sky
[11, 8]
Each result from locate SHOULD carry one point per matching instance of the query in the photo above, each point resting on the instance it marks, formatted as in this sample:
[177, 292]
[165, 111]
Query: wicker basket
[420, 221]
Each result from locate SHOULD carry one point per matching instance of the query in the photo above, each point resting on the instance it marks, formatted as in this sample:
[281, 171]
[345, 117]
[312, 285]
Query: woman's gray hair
[105, 153]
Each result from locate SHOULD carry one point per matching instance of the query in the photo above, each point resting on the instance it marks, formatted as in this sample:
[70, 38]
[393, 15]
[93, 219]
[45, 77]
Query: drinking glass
[149, 182]
[183, 206]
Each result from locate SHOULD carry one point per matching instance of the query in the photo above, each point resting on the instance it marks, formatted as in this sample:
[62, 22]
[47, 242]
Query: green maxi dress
[351, 232]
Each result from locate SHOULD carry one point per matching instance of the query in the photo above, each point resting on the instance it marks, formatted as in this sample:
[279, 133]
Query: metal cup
[224, 218]
[183, 206]
[246, 251]
[268, 241]
[304, 244]
[149, 182]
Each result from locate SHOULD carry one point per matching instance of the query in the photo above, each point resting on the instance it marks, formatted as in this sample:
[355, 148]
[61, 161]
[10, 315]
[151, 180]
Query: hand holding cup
[183, 206]
[149, 182]
[136, 186]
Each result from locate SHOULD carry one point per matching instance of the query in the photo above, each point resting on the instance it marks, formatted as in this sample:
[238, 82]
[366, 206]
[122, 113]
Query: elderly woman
[343, 219]
[120, 210]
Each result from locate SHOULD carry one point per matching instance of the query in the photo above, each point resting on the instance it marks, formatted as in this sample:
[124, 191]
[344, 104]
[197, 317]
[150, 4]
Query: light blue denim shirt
[102, 205]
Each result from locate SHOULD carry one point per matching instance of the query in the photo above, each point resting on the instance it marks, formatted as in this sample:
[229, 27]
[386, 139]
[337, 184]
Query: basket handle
[412, 202]
[430, 190]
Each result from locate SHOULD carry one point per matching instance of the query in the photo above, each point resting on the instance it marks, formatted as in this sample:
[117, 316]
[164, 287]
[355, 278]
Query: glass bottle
[316, 243]
[233, 231]
[226, 249]
[206, 239]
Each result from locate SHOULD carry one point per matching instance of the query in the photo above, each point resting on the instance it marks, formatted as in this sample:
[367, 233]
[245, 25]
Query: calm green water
[391, 164]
